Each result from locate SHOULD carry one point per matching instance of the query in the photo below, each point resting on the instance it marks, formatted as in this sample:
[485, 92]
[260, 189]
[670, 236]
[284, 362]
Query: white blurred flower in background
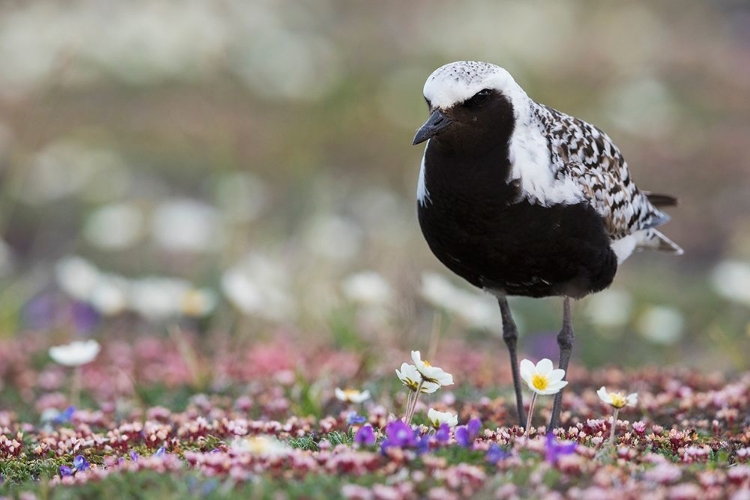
[288, 64]
[181, 224]
[731, 280]
[661, 324]
[76, 276]
[115, 226]
[439, 291]
[334, 237]
[609, 308]
[258, 286]
[476, 309]
[154, 298]
[149, 42]
[65, 168]
[110, 293]
[241, 196]
[198, 302]
[367, 288]
[643, 107]
[158, 298]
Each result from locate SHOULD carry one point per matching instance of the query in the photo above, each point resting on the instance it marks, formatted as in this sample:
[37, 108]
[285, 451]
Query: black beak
[432, 127]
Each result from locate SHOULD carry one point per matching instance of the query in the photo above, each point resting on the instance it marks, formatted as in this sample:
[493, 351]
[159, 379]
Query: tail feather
[661, 200]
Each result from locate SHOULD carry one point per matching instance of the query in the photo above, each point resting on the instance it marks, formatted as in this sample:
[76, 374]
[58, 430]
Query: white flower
[186, 225]
[158, 298]
[262, 446]
[731, 280]
[661, 324]
[543, 378]
[610, 308]
[476, 310]
[198, 302]
[115, 226]
[439, 291]
[334, 237]
[76, 276]
[617, 399]
[76, 353]
[367, 287]
[241, 196]
[110, 294]
[431, 373]
[411, 378]
[351, 395]
[438, 418]
[259, 285]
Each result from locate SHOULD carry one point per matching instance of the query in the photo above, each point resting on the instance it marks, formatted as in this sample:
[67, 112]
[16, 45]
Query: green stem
[614, 425]
[408, 405]
[410, 412]
[531, 412]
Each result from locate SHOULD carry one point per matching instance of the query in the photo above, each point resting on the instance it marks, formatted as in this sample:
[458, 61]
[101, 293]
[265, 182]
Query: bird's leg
[565, 341]
[510, 336]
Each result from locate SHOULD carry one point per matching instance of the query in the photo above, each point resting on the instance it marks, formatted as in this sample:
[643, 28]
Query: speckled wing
[587, 155]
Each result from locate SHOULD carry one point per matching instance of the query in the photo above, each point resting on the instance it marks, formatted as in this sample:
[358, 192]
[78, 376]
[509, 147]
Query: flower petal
[556, 375]
[604, 395]
[527, 369]
[545, 366]
[416, 356]
[554, 388]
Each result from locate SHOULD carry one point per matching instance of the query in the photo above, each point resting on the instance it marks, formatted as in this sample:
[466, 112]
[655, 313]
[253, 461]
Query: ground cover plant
[325, 423]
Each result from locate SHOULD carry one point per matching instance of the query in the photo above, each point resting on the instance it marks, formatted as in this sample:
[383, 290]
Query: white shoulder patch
[532, 167]
[531, 164]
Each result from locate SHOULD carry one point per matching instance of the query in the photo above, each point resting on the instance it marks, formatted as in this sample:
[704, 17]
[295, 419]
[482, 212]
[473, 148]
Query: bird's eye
[478, 99]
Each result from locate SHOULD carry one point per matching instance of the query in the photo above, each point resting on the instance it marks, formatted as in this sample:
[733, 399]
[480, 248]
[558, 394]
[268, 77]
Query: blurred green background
[246, 167]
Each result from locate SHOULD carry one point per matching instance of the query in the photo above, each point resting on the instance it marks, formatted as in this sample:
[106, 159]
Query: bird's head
[471, 104]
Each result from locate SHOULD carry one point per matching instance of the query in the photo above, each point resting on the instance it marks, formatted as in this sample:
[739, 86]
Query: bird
[521, 199]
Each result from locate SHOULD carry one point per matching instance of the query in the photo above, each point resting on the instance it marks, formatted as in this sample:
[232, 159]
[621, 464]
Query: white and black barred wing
[582, 152]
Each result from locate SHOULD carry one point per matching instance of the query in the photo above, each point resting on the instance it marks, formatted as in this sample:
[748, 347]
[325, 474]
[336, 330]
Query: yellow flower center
[618, 400]
[426, 363]
[539, 382]
[350, 392]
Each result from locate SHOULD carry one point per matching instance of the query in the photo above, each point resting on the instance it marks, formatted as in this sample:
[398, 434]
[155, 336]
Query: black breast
[479, 227]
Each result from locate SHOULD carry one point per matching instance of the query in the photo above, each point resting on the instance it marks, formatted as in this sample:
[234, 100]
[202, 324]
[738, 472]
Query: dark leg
[565, 340]
[510, 336]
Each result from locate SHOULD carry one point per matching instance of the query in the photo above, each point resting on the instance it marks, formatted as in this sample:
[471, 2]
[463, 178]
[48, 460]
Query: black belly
[521, 248]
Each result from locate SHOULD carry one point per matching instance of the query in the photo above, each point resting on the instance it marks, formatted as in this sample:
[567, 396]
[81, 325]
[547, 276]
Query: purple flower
[402, 436]
[160, 452]
[134, 456]
[80, 463]
[85, 318]
[352, 418]
[365, 436]
[40, 312]
[465, 434]
[65, 471]
[555, 449]
[65, 416]
[443, 434]
[399, 434]
[495, 454]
